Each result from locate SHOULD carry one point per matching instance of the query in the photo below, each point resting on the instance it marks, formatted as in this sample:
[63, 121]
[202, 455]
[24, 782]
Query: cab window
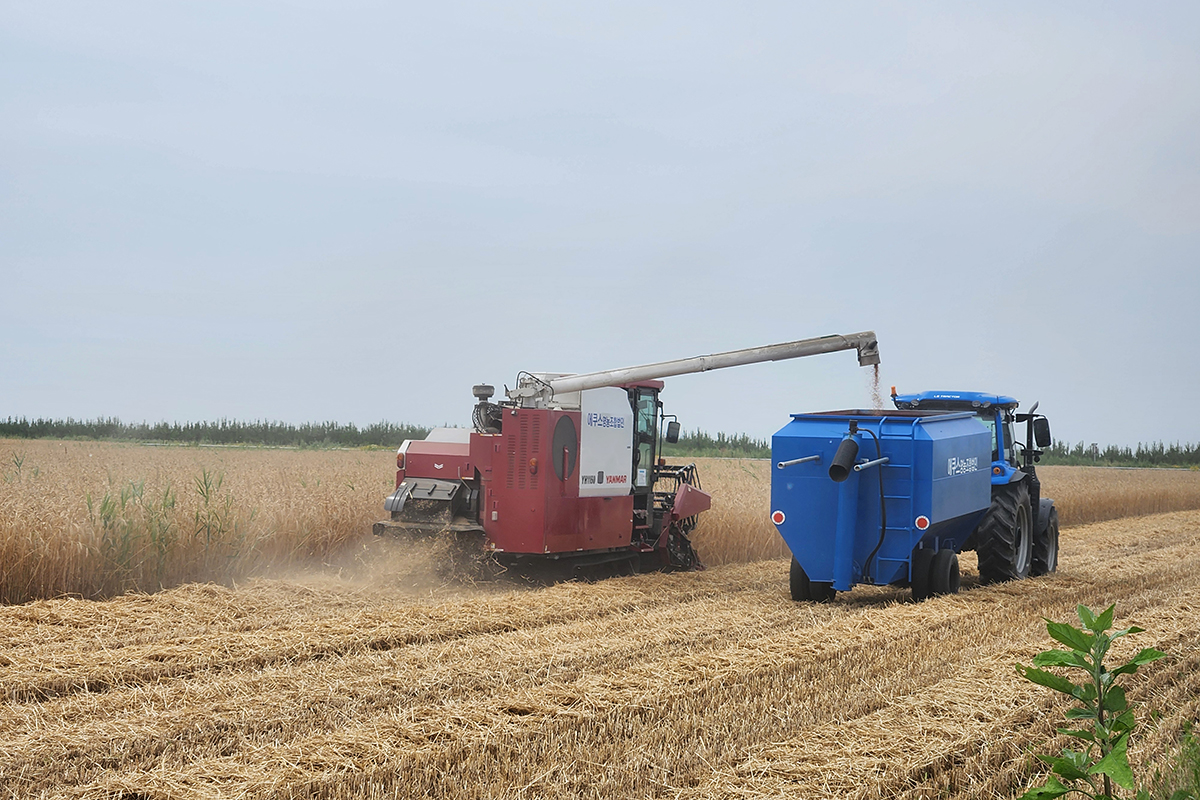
[990, 422]
[645, 406]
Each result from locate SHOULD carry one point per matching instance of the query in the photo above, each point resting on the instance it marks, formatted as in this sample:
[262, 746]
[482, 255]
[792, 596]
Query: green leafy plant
[1104, 714]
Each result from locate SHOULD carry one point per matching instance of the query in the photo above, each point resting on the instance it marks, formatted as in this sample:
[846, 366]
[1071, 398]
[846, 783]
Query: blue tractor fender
[1004, 473]
[1043, 515]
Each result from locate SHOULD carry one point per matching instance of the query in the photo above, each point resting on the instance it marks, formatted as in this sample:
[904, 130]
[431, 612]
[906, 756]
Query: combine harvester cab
[878, 497]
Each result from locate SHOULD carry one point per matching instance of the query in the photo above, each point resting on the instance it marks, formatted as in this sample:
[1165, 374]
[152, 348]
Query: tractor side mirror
[672, 432]
[1041, 431]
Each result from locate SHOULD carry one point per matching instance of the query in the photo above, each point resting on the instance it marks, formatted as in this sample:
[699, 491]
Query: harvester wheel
[921, 560]
[1045, 547]
[1004, 539]
[804, 589]
[944, 577]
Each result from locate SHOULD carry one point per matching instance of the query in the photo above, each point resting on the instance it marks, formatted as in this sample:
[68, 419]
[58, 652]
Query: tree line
[389, 434]
[312, 434]
[224, 431]
[699, 444]
[1154, 454]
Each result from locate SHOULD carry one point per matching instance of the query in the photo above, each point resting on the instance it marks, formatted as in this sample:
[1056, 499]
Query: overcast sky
[355, 211]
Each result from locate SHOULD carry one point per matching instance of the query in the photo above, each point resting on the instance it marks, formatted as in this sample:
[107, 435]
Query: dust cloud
[435, 568]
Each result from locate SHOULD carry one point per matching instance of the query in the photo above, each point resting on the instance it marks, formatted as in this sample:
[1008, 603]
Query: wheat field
[95, 519]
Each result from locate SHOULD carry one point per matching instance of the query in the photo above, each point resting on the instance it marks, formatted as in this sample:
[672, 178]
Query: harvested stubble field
[367, 681]
[710, 684]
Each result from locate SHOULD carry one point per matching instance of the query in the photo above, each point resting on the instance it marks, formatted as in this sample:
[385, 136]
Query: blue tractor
[1018, 536]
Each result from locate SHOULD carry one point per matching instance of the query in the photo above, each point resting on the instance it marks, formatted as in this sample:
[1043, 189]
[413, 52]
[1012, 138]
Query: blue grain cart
[883, 497]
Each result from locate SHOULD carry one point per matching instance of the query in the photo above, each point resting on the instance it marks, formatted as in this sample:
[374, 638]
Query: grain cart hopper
[878, 497]
[1019, 535]
[892, 497]
[567, 469]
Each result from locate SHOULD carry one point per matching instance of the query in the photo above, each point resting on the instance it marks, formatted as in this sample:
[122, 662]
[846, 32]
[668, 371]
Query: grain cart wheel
[921, 560]
[944, 577]
[804, 589]
[798, 581]
[1045, 547]
[1004, 539]
[821, 592]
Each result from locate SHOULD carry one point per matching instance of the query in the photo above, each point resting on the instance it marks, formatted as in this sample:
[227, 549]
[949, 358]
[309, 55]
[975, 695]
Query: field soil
[712, 684]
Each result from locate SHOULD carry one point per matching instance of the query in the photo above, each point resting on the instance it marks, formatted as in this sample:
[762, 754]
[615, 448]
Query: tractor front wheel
[1004, 539]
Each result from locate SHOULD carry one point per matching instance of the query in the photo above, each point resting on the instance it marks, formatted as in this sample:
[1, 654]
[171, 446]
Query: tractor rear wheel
[1045, 547]
[1004, 539]
[921, 559]
[944, 577]
[804, 589]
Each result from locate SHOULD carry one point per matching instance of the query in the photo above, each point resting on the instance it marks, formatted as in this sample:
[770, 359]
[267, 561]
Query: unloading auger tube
[537, 393]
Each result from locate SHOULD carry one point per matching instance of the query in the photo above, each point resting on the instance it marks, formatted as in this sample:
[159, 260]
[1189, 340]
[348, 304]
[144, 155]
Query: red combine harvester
[567, 468]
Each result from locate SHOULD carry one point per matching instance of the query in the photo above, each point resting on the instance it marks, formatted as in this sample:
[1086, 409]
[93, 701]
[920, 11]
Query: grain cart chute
[567, 467]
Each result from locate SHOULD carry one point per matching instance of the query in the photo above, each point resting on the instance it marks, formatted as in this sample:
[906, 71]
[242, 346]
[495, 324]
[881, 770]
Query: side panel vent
[535, 447]
[510, 445]
[523, 453]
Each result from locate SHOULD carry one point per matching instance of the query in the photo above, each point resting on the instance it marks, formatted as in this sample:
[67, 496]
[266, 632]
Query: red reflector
[777, 518]
[922, 522]
[400, 460]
